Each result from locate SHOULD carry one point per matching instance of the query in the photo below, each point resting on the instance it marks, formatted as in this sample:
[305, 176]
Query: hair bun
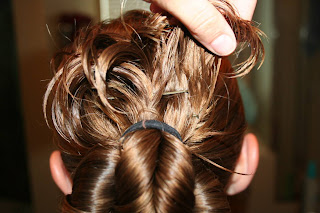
[116, 74]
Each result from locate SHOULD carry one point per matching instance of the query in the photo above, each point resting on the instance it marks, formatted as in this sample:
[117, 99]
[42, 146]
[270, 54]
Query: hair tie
[153, 124]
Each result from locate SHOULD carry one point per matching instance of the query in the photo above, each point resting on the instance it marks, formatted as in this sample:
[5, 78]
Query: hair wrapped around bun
[136, 68]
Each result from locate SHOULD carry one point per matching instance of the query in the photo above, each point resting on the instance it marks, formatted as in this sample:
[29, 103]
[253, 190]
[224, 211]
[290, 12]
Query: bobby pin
[175, 92]
[165, 93]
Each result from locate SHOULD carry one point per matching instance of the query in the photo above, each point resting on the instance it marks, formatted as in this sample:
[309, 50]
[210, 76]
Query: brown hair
[128, 70]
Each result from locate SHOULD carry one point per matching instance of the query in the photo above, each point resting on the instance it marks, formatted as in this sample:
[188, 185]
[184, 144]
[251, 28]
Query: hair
[136, 68]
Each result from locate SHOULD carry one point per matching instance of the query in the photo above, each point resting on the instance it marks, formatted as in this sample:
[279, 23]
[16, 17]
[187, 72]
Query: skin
[205, 22]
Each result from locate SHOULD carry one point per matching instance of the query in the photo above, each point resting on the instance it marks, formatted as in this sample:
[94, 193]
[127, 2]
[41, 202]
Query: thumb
[204, 22]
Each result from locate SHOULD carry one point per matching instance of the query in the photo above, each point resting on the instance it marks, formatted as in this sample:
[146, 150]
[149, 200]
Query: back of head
[137, 68]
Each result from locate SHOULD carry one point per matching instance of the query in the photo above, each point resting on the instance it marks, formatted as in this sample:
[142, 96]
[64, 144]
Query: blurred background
[282, 101]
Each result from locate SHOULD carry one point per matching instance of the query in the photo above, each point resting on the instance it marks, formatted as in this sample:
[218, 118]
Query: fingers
[204, 22]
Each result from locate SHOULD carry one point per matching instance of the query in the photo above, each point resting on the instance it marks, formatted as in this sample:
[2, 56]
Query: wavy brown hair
[139, 67]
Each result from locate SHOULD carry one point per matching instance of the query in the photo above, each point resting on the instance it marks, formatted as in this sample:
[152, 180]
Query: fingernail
[223, 45]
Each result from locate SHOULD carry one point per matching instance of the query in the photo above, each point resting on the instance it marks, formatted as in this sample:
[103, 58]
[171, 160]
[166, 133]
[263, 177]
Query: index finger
[204, 22]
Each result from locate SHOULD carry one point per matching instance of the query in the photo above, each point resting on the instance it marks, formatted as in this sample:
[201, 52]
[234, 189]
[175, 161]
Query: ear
[59, 173]
[247, 164]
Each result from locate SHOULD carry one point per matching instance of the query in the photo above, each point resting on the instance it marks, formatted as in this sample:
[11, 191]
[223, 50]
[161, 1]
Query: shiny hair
[135, 68]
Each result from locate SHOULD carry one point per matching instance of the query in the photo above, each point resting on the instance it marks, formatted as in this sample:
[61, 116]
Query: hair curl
[120, 72]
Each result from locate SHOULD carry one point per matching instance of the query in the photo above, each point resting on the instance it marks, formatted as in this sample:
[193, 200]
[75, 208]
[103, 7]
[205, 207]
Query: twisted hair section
[115, 74]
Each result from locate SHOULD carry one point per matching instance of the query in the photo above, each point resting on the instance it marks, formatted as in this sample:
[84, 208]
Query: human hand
[205, 22]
